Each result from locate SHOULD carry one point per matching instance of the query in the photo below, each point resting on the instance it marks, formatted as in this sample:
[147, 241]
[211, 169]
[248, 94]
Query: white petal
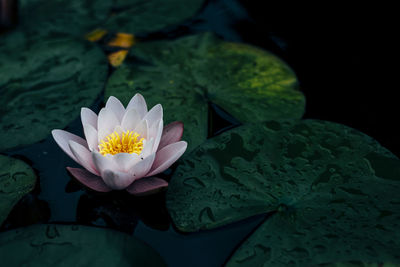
[142, 128]
[91, 136]
[154, 115]
[130, 119]
[137, 102]
[147, 148]
[116, 107]
[84, 157]
[126, 161]
[103, 162]
[167, 156]
[62, 137]
[142, 167]
[117, 180]
[106, 123]
[118, 129]
[158, 135]
[88, 117]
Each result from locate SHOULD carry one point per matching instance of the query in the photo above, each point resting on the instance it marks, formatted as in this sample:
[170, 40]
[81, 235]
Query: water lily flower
[124, 148]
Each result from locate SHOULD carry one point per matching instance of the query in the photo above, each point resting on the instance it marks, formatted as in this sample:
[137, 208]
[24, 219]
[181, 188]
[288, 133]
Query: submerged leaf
[186, 74]
[16, 180]
[331, 190]
[73, 245]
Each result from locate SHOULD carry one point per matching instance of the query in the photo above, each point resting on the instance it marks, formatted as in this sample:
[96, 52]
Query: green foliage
[330, 190]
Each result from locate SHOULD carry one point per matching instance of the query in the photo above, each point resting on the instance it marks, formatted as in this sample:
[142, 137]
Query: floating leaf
[186, 74]
[332, 191]
[43, 86]
[141, 17]
[16, 180]
[72, 245]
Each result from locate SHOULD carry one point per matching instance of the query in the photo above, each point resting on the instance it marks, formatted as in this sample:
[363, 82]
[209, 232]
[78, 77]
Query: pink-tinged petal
[116, 107]
[126, 161]
[172, 133]
[167, 156]
[83, 156]
[137, 102]
[142, 128]
[147, 186]
[90, 180]
[62, 137]
[154, 115]
[103, 162]
[142, 167]
[106, 123]
[117, 180]
[158, 136]
[88, 117]
[130, 120]
[91, 136]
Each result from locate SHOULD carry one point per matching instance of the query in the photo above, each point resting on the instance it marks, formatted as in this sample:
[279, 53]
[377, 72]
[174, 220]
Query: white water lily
[123, 147]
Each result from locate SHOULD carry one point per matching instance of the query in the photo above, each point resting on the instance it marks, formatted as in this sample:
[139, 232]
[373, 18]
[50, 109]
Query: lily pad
[73, 245]
[75, 17]
[141, 17]
[16, 179]
[186, 74]
[331, 190]
[43, 86]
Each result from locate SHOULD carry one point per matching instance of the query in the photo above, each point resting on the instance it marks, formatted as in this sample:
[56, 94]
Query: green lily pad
[76, 17]
[44, 84]
[186, 74]
[16, 179]
[331, 190]
[73, 245]
[141, 17]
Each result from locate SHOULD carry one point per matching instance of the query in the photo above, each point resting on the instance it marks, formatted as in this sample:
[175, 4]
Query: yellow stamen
[127, 142]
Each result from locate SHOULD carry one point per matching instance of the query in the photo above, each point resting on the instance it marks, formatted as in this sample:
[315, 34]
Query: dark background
[341, 54]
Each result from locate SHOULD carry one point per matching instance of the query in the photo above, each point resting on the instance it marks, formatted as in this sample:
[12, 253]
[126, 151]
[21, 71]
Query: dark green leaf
[332, 191]
[43, 86]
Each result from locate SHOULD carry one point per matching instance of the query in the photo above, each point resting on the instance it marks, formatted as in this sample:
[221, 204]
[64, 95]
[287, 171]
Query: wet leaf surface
[44, 85]
[141, 17]
[16, 180]
[73, 245]
[188, 73]
[332, 190]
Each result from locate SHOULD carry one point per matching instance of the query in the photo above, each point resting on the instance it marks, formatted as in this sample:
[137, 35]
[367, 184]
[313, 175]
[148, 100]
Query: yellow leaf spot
[123, 40]
[116, 58]
[95, 35]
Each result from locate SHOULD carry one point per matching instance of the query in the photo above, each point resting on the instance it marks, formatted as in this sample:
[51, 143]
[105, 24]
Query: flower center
[115, 143]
